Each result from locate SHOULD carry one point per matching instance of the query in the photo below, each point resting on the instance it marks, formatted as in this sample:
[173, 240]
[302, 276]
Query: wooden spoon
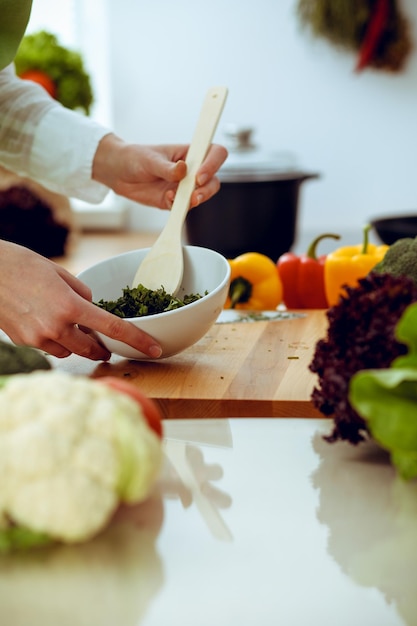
[163, 266]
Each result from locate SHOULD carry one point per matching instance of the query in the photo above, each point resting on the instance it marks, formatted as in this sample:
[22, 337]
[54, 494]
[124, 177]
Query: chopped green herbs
[141, 301]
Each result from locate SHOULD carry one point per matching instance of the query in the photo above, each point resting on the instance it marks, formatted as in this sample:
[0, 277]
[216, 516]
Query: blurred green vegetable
[20, 359]
[387, 399]
[42, 52]
[14, 538]
[349, 25]
[400, 259]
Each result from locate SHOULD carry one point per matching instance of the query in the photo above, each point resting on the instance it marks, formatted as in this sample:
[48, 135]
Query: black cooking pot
[257, 205]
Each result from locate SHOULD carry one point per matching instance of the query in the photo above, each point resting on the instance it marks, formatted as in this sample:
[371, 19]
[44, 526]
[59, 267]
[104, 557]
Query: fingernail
[170, 198]
[200, 198]
[155, 351]
[202, 179]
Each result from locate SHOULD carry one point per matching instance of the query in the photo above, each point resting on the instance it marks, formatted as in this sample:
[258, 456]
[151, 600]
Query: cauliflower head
[71, 450]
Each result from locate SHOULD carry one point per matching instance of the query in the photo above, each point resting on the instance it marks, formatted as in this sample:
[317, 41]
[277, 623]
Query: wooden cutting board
[240, 369]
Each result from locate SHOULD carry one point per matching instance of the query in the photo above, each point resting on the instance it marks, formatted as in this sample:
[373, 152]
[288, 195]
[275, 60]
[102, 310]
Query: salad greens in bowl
[187, 317]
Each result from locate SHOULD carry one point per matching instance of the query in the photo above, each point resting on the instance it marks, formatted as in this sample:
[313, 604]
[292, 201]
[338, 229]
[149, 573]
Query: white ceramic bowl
[204, 270]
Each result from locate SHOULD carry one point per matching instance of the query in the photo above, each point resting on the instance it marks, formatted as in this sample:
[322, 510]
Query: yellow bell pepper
[347, 265]
[254, 283]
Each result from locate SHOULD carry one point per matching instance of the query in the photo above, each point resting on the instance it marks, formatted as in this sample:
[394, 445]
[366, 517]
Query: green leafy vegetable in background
[42, 52]
[140, 301]
[361, 335]
[387, 400]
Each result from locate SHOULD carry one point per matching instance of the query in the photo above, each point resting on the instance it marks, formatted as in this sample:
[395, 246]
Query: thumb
[177, 171]
[161, 167]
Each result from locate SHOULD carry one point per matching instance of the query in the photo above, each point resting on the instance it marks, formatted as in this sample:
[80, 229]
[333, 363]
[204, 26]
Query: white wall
[299, 93]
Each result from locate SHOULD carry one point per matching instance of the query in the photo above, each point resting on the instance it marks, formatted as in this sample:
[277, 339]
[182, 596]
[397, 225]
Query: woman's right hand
[150, 174]
[44, 306]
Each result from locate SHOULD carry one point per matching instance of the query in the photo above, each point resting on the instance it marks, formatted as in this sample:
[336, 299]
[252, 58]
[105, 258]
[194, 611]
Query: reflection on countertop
[111, 580]
[106, 582]
[371, 515]
[252, 521]
[187, 474]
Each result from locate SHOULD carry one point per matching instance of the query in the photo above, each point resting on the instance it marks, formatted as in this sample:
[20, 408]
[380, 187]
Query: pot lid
[247, 163]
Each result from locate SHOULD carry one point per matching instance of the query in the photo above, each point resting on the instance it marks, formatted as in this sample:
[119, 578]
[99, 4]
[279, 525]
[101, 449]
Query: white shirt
[41, 139]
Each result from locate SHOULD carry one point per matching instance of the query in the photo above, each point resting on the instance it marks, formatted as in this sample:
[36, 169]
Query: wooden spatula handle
[203, 135]
[164, 263]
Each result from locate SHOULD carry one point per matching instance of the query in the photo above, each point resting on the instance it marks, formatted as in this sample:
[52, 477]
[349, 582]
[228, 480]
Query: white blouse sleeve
[46, 142]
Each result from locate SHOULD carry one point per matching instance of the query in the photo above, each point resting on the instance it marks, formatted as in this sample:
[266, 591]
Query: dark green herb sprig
[141, 301]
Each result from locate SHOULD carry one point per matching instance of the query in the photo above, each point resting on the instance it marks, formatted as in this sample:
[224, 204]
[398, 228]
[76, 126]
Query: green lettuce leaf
[387, 400]
[406, 332]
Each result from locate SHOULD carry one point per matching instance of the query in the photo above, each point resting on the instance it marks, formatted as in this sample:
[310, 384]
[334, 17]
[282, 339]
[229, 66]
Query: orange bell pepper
[347, 265]
[254, 283]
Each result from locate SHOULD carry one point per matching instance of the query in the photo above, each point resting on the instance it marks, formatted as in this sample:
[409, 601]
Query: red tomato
[37, 76]
[150, 409]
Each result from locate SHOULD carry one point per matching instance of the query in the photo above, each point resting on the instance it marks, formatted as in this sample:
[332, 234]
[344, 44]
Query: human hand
[150, 174]
[44, 306]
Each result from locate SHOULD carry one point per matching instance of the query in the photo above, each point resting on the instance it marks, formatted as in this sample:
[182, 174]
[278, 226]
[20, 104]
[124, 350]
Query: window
[83, 26]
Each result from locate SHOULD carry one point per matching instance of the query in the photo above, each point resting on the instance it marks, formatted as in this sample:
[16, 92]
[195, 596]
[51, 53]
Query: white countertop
[254, 522]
